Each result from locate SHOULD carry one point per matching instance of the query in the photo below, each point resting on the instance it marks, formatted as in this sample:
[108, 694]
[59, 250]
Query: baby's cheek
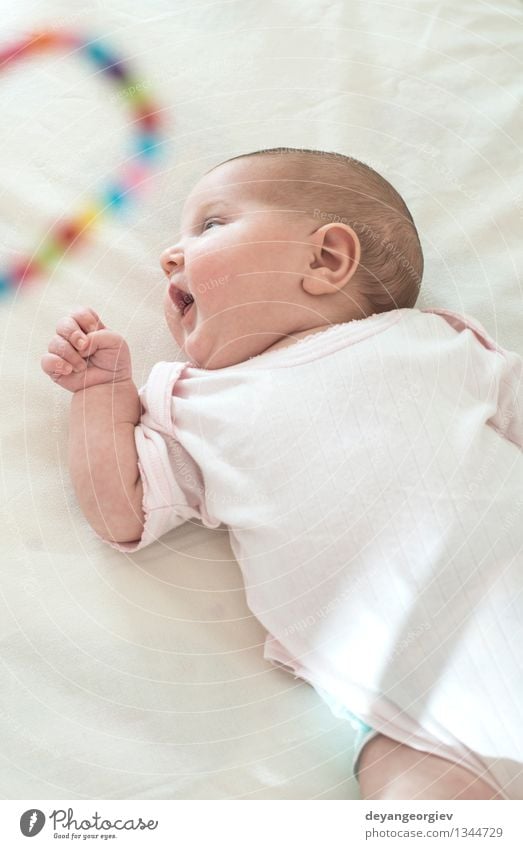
[211, 281]
[206, 267]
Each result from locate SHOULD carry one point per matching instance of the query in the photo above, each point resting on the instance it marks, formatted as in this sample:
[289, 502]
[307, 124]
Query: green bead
[48, 254]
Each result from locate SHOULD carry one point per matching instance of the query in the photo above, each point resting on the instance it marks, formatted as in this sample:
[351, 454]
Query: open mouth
[186, 303]
[182, 300]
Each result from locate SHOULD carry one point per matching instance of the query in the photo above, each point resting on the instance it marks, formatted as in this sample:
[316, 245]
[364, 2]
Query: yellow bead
[87, 217]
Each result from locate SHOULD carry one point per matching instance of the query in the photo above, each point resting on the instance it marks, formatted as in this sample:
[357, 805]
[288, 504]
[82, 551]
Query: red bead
[15, 51]
[23, 270]
[148, 117]
[67, 233]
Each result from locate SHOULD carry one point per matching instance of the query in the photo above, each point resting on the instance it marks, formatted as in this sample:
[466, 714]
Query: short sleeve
[165, 503]
[507, 384]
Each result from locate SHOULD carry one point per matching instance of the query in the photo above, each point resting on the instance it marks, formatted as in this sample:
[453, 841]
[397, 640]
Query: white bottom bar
[191, 824]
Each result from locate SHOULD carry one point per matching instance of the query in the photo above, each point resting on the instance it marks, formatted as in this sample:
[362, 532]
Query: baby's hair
[333, 187]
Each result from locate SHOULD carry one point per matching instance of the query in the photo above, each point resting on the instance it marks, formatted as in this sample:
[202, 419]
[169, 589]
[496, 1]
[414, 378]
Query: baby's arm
[103, 460]
[94, 363]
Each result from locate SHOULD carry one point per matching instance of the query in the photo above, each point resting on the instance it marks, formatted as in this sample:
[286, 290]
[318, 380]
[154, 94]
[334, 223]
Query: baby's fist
[84, 352]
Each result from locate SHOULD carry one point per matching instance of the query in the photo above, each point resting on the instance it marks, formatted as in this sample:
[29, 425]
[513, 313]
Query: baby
[364, 455]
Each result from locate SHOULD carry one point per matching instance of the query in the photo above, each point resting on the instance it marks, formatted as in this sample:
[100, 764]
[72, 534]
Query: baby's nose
[171, 259]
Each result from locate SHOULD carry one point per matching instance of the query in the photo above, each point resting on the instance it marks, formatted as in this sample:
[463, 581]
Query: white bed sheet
[142, 676]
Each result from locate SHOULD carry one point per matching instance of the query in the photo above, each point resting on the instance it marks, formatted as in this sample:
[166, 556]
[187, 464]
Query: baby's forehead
[248, 178]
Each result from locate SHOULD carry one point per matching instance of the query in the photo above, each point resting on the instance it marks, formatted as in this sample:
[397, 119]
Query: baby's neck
[289, 340]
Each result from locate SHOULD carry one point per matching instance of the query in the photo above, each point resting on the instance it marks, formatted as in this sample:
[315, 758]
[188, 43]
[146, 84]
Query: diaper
[364, 732]
[498, 772]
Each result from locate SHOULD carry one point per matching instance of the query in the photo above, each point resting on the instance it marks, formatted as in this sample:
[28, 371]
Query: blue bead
[148, 145]
[5, 287]
[115, 195]
[104, 58]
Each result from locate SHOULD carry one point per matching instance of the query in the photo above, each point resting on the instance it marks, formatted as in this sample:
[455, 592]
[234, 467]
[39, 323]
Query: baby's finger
[65, 351]
[87, 319]
[55, 366]
[74, 327]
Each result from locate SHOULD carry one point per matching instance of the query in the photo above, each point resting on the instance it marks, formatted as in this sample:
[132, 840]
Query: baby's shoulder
[460, 323]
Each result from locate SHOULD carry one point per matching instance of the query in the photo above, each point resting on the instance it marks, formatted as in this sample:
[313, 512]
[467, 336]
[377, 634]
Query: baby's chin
[213, 359]
[211, 354]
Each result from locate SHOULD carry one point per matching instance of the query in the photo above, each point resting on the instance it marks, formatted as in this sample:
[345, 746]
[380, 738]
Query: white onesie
[370, 476]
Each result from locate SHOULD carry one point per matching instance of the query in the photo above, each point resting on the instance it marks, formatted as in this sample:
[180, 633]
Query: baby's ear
[336, 256]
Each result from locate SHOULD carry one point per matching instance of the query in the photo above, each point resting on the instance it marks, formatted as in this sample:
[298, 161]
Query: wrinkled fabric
[370, 476]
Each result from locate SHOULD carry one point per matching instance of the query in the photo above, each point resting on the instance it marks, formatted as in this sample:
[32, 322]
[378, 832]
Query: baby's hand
[103, 358]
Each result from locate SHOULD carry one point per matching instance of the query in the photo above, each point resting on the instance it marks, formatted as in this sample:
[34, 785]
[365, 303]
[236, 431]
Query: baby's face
[242, 261]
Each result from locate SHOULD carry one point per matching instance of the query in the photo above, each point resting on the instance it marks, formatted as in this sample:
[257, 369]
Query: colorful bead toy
[146, 124]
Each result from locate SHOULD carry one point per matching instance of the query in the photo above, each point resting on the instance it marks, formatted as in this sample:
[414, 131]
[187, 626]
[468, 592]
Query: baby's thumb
[98, 339]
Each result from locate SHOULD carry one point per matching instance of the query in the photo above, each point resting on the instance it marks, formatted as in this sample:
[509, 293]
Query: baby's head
[280, 243]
